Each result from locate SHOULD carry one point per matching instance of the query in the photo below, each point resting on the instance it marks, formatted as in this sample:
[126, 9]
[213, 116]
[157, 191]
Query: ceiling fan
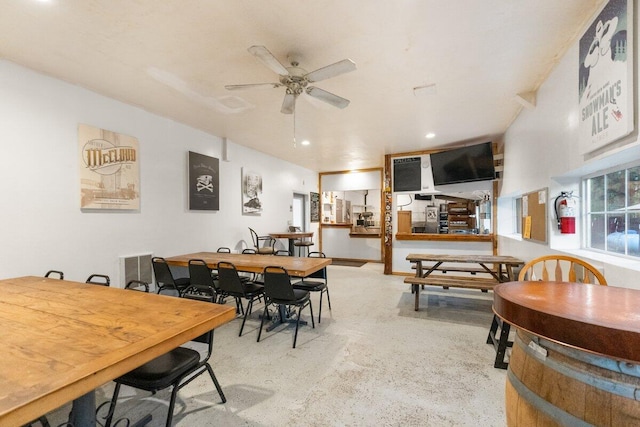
[296, 79]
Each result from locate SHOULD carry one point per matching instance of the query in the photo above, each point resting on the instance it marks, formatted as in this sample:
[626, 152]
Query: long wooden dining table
[296, 266]
[62, 339]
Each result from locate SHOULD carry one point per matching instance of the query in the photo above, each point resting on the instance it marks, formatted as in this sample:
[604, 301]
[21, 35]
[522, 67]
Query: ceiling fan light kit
[296, 79]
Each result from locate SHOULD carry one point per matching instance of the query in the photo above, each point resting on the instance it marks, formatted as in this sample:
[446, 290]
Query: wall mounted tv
[465, 164]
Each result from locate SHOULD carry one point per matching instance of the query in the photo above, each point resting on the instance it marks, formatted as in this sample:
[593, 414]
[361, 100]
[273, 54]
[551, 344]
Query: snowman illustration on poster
[605, 78]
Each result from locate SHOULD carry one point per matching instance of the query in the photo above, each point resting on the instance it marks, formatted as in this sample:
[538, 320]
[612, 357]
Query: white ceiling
[174, 57]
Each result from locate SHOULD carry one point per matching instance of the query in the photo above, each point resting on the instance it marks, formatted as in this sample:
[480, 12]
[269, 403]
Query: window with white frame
[612, 211]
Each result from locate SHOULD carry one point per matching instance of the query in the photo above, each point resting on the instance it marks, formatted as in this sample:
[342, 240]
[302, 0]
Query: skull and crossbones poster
[204, 182]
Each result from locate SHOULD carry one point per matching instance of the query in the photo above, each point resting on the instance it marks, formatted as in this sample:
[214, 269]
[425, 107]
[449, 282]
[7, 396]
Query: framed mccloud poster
[605, 84]
[109, 169]
[251, 193]
[204, 182]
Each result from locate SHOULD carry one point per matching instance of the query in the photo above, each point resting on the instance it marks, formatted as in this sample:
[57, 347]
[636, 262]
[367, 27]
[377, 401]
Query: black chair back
[282, 252]
[200, 274]
[223, 249]
[229, 279]
[322, 273]
[162, 272]
[277, 284]
[99, 279]
[137, 285]
[209, 295]
[60, 274]
[249, 251]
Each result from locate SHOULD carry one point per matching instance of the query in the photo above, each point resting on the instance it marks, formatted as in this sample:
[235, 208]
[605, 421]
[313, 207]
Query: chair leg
[172, 404]
[313, 324]
[246, 312]
[216, 383]
[112, 406]
[295, 336]
[328, 302]
[262, 320]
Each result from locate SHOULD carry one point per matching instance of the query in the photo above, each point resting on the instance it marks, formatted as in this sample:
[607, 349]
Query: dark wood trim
[386, 220]
[337, 225]
[446, 237]
[365, 235]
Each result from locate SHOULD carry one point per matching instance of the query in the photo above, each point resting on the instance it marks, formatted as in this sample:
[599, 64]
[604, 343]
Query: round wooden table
[576, 358]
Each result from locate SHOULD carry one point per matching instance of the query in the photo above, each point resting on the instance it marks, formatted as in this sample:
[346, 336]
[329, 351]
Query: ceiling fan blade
[252, 85]
[267, 58]
[288, 104]
[327, 97]
[332, 70]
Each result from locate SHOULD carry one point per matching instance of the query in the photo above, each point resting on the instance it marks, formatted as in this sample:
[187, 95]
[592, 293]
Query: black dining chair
[201, 281]
[174, 369]
[52, 273]
[254, 277]
[221, 250]
[280, 292]
[282, 252]
[316, 282]
[99, 279]
[231, 284]
[164, 277]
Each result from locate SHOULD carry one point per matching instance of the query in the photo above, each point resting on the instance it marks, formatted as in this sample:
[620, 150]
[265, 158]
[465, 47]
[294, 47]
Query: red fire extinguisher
[565, 206]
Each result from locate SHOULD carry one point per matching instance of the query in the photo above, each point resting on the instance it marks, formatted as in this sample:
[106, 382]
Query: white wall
[542, 150]
[42, 226]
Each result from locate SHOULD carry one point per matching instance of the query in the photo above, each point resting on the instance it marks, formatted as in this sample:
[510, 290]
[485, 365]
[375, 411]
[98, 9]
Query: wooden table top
[291, 234]
[62, 339]
[296, 266]
[479, 259]
[598, 319]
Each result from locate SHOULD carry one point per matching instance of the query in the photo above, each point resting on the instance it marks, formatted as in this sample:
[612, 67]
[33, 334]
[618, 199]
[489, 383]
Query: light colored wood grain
[567, 383]
[464, 258]
[62, 339]
[296, 266]
[469, 282]
[445, 237]
[291, 234]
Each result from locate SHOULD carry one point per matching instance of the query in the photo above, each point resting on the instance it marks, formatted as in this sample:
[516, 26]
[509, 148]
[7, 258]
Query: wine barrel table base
[576, 359]
[553, 385]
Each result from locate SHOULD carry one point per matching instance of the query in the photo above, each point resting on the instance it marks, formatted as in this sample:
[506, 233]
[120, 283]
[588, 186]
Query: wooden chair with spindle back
[561, 268]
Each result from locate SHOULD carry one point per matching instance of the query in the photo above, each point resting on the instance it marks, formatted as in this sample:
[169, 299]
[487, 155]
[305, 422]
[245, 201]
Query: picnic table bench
[497, 269]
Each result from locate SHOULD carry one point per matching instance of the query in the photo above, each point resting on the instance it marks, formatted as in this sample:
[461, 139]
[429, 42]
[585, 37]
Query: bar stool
[302, 244]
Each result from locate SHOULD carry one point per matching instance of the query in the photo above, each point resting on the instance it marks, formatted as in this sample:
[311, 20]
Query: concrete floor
[372, 361]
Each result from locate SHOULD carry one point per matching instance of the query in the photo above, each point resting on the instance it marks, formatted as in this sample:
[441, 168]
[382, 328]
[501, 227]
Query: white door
[298, 211]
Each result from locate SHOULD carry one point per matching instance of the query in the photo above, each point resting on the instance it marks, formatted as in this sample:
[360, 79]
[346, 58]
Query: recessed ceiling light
[305, 142]
[430, 135]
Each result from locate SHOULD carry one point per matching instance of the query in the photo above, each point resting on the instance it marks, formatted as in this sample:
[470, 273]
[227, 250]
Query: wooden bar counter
[576, 358]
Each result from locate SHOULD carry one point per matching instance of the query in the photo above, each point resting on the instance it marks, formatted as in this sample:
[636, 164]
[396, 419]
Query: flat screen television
[465, 164]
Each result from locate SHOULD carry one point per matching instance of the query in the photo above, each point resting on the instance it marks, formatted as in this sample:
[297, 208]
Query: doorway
[298, 211]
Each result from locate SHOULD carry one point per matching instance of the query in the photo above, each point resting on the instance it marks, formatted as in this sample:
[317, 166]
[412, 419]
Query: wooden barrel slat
[561, 389]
